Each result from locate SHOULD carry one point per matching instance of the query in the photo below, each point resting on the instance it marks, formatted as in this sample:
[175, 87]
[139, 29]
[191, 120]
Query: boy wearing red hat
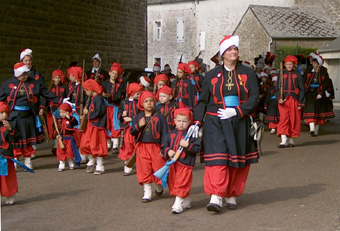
[165, 105]
[127, 110]
[61, 90]
[148, 127]
[114, 93]
[93, 141]
[8, 177]
[289, 125]
[180, 173]
[196, 78]
[185, 89]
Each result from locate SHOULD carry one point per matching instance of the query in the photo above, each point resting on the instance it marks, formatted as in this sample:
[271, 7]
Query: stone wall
[72, 31]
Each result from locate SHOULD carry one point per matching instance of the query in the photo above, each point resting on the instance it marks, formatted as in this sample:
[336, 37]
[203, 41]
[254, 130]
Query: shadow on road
[319, 142]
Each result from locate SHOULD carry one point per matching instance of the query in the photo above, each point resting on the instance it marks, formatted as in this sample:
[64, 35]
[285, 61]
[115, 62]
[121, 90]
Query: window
[158, 31]
[202, 41]
[180, 30]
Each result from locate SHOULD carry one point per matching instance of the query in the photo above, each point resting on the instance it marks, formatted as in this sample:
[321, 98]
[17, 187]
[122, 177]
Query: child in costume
[128, 109]
[165, 105]
[66, 124]
[272, 115]
[8, 177]
[180, 173]
[93, 141]
[148, 127]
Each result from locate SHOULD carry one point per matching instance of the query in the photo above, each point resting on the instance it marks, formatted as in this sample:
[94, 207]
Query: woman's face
[27, 60]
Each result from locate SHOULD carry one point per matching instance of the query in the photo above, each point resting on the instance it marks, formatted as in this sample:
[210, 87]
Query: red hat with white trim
[156, 67]
[318, 58]
[145, 81]
[25, 52]
[20, 68]
[229, 41]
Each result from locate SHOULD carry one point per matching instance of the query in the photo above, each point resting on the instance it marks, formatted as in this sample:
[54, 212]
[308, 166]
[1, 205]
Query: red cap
[143, 96]
[165, 89]
[291, 59]
[184, 67]
[133, 88]
[76, 71]
[195, 64]
[4, 107]
[118, 68]
[93, 85]
[59, 73]
[161, 77]
[65, 107]
[184, 111]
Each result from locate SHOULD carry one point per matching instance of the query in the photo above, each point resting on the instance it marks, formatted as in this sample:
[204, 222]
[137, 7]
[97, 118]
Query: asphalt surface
[289, 189]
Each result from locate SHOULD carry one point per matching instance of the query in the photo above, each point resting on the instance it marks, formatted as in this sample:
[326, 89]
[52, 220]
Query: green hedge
[291, 50]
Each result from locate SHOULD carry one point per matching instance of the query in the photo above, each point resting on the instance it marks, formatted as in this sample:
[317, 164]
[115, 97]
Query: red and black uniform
[165, 110]
[35, 74]
[264, 87]
[293, 96]
[8, 183]
[197, 81]
[186, 92]
[128, 148]
[23, 101]
[66, 129]
[102, 76]
[229, 149]
[316, 110]
[272, 114]
[117, 93]
[148, 145]
[180, 173]
[93, 140]
[62, 92]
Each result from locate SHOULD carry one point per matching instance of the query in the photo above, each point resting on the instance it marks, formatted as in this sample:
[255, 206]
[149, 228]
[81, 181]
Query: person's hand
[171, 153]
[299, 108]
[184, 143]
[124, 113]
[67, 115]
[58, 137]
[85, 111]
[142, 122]
[194, 129]
[318, 96]
[227, 113]
[65, 100]
[127, 119]
[7, 125]
[327, 94]
[41, 112]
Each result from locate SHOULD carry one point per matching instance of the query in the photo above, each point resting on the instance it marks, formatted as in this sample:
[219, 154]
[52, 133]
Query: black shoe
[159, 193]
[231, 206]
[115, 150]
[282, 145]
[312, 133]
[54, 151]
[214, 208]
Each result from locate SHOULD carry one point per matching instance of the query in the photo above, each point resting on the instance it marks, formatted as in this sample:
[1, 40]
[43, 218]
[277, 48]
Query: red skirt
[290, 118]
[49, 123]
[93, 141]
[148, 161]
[110, 119]
[9, 184]
[128, 147]
[66, 153]
[179, 180]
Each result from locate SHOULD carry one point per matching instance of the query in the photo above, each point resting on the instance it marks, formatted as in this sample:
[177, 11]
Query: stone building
[177, 27]
[72, 31]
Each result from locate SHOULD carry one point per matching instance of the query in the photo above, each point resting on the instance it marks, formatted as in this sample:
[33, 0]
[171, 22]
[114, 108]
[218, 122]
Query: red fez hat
[195, 64]
[184, 67]
[4, 107]
[118, 68]
[184, 111]
[93, 85]
[291, 59]
[133, 88]
[143, 96]
[65, 107]
[59, 73]
[165, 90]
[76, 71]
[161, 77]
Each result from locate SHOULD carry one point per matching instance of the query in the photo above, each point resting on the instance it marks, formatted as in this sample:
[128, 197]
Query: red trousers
[128, 147]
[66, 153]
[148, 161]
[316, 121]
[225, 181]
[179, 180]
[272, 125]
[26, 152]
[290, 118]
[9, 184]
[93, 141]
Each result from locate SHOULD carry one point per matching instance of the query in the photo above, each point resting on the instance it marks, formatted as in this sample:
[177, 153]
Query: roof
[154, 2]
[294, 22]
[333, 46]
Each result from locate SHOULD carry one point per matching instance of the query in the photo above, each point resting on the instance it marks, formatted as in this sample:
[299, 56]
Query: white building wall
[216, 18]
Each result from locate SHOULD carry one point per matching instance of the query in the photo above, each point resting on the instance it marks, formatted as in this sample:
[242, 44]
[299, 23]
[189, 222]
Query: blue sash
[22, 108]
[75, 150]
[38, 123]
[314, 85]
[3, 166]
[273, 97]
[231, 100]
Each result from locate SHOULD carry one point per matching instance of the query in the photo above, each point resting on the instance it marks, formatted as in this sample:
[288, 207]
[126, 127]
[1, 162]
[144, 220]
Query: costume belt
[314, 85]
[231, 100]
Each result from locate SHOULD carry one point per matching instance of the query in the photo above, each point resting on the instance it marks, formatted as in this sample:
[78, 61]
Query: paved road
[290, 189]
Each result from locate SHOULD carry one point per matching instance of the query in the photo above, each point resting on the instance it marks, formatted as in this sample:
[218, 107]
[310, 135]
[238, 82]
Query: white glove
[65, 100]
[318, 96]
[327, 94]
[195, 130]
[227, 113]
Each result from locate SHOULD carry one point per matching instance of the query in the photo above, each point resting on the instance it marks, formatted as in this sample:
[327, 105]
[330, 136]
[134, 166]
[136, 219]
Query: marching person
[160, 81]
[180, 173]
[149, 128]
[22, 95]
[8, 177]
[196, 78]
[102, 75]
[317, 108]
[114, 93]
[229, 95]
[93, 141]
[272, 111]
[290, 103]
[166, 105]
[185, 89]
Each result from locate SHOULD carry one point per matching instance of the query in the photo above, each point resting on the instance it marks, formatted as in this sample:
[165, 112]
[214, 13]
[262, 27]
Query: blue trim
[314, 85]
[3, 166]
[231, 100]
[75, 150]
[22, 108]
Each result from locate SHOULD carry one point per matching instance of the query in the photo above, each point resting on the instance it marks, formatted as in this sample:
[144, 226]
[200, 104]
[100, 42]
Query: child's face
[192, 68]
[164, 98]
[3, 116]
[136, 95]
[113, 75]
[182, 122]
[160, 84]
[88, 93]
[63, 113]
[56, 80]
[181, 74]
[264, 79]
[72, 78]
[149, 104]
[289, 66]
